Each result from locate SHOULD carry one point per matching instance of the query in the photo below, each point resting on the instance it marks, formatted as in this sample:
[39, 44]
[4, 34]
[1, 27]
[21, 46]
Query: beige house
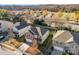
[61, 38]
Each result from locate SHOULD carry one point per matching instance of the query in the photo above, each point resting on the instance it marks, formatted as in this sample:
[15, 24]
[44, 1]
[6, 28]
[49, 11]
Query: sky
[34, 2]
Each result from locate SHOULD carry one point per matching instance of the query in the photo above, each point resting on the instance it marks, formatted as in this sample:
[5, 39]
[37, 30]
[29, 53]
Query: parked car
[1, 37]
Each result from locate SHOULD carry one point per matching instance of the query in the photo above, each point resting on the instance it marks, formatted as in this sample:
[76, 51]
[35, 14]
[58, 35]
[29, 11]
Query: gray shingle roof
[76, 37]
[22, 25]
[62, 36]
[34, 31]
[43, 30]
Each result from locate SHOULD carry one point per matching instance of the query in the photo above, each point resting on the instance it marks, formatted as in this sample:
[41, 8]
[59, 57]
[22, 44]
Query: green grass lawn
[47, 43]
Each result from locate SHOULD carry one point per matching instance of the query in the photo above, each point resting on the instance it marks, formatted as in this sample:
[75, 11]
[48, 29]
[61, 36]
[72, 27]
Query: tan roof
[63, 36]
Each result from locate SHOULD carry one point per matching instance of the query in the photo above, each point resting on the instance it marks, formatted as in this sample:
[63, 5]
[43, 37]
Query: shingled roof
[63, 36]
[22, 25]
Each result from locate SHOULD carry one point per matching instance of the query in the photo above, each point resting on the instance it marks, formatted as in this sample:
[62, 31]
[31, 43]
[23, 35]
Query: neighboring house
[20, 28]
[72, 48]
[74, 27]
[62, 38]
[29, 37]
[75, 45]
[71, 25]
[40, 33]
[4, 52]
[14, 47]
[5, 25]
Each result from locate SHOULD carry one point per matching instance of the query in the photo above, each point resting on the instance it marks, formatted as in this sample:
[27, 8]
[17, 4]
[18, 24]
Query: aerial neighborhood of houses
[39, 31]
[32, 36]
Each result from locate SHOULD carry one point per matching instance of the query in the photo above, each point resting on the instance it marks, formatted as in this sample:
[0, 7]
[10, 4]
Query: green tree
[17, 18]
[40, 22]
[4, 15]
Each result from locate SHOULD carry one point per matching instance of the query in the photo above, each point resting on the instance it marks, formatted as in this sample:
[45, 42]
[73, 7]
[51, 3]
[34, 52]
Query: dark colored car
[1, 37]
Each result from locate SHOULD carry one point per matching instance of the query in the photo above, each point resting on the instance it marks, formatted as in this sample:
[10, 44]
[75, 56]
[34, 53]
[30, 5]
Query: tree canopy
[40, 22]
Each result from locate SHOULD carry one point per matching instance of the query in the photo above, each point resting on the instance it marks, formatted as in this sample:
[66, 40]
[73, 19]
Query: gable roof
[43, 30]
[63, 36]
[34, 31]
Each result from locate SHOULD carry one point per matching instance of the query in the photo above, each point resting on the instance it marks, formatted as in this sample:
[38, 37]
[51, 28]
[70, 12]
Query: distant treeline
[66, 8]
